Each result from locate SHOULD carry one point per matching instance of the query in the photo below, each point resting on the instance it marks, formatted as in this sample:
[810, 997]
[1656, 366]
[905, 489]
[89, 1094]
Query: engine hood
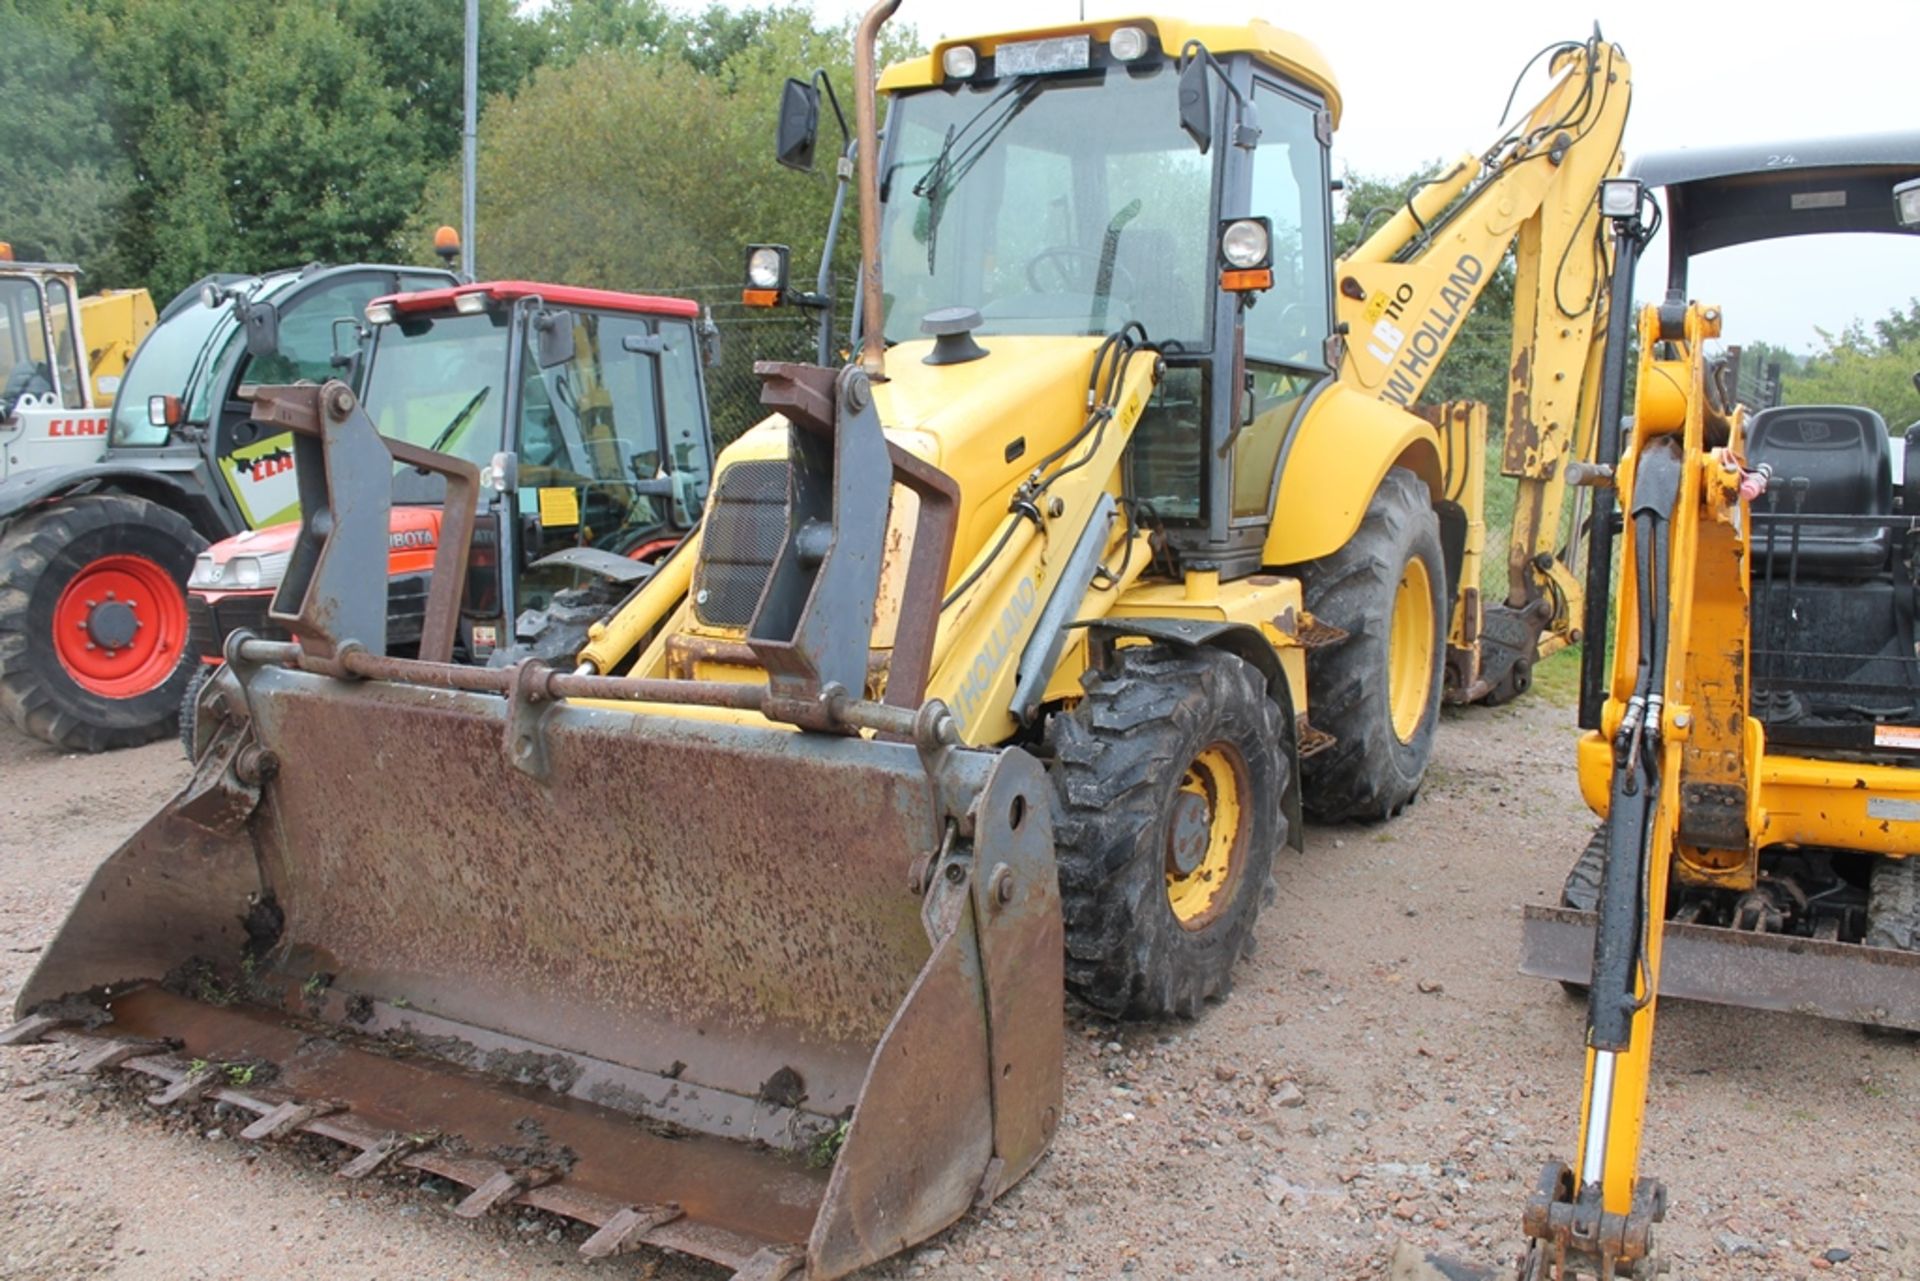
[986, 423]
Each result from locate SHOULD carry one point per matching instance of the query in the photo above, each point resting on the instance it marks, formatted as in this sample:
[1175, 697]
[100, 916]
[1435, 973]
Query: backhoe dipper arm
[1404, 294]
[1683, 497]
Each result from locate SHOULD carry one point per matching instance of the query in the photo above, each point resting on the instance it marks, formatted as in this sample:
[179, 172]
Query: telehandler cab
[987, 673]
[100, 522]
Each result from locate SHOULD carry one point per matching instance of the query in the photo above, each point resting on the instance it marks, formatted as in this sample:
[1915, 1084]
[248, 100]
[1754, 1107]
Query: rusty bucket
[790, 1001]
[743, 992]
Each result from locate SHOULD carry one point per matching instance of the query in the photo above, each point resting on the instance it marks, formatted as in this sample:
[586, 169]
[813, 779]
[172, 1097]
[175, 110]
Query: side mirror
[261, 320]
[345, 356]
[709, 334]
[799, 125]
[556, 338]
[1196, 104]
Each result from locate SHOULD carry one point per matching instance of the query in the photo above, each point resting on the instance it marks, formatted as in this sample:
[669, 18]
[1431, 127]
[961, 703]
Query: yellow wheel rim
[1410, 650]
[1206, 836]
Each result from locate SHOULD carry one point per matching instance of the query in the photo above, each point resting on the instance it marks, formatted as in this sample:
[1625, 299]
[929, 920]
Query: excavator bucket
[789, 1001]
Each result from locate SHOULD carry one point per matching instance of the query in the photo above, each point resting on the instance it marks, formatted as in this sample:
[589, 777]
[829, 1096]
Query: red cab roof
[428, 300]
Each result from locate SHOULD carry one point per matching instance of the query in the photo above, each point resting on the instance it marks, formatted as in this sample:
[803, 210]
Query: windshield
[1060, 205]
[23, 344]
[440, 383]
[166, 360]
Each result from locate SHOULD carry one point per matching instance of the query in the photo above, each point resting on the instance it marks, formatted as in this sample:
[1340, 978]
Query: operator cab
[40, 341]
[1145, 176]
[584, 411]
[1835, 569]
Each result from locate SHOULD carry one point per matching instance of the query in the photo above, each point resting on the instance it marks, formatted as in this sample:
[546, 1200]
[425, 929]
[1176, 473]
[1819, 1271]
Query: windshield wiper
[948, 168]
[458, 421]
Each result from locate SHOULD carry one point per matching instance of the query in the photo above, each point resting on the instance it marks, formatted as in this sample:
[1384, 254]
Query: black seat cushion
[1841, 452]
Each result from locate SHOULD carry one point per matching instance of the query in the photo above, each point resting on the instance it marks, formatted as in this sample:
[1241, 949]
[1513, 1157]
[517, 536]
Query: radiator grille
[746, 525]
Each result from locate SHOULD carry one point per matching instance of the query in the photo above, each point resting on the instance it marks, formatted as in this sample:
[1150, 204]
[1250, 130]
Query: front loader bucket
[654, 990]
[1874, 986]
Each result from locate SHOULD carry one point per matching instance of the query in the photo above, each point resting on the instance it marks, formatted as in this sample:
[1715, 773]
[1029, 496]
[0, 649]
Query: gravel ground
[1381, 1073]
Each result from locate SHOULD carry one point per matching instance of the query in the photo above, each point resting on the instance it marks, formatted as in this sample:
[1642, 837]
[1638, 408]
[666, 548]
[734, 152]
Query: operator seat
[1841, 451]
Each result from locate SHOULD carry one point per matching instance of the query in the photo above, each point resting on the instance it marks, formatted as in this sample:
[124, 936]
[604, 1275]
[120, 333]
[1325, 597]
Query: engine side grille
[746, 525]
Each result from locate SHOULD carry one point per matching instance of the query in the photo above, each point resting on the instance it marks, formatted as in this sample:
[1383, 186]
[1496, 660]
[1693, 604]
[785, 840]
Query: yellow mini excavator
[1752, 749]
[993, 669]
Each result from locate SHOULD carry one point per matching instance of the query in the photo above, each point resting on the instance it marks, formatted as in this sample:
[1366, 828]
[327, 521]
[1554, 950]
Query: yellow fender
[1334, 461]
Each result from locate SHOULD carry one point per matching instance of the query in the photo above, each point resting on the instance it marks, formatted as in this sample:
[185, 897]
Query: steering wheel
[1293, 326]
[1054, 261]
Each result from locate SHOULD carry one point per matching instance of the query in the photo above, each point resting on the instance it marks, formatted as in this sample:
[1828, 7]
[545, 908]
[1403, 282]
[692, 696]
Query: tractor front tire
[93, 621]
[1170, 773]
[1378, 690]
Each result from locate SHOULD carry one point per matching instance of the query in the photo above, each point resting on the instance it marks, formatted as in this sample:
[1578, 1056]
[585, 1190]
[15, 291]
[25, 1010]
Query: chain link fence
[750, 334]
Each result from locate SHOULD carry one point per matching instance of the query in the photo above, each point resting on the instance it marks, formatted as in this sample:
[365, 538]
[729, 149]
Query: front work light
[1127, 44]
[1246, 243]
[1906, 203]
[1620, 197]
[959, 62]
[766, 275]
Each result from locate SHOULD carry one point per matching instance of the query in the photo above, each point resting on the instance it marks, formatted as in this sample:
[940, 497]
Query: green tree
[1871, 365]
[62, 173]
[420, 51]
[259, 135]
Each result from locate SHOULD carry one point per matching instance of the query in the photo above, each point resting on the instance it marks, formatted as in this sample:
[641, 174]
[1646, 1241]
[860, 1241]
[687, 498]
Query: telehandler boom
[987, 673]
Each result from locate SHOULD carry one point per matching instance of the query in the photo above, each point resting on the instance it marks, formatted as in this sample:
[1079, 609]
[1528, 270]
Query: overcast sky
[1423, 81]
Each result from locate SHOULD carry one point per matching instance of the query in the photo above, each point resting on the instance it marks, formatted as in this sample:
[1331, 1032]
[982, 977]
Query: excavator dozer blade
[790, 1002]
[1874, 986]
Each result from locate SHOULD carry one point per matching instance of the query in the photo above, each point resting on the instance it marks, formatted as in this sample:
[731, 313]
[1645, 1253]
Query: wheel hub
[1187, 833]
[120, 626]
[111, 623]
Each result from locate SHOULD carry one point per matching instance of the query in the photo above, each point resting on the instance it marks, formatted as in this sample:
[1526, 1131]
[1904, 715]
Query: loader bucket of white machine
[785, 999]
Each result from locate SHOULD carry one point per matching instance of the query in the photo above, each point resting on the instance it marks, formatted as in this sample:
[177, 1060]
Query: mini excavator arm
[1682, 647]
[1404, 294]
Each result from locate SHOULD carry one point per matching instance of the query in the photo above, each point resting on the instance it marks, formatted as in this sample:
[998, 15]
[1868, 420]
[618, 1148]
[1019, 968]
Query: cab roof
[1733, 195]
[1291, 55]
[425, 300]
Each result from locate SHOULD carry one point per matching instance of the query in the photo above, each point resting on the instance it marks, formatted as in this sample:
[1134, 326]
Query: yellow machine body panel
[1344, 444]
[114, 320]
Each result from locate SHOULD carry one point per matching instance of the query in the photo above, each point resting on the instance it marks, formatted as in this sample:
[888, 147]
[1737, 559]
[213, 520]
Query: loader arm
[1403, 296]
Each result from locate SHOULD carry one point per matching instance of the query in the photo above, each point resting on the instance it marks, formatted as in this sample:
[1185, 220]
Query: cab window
[1289, 323]
[65, 359]
[23, 347]
[1286, 326]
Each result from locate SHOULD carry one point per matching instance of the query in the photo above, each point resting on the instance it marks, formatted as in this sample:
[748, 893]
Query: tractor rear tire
[1378, 691]
[94, 651]
[1170, 773]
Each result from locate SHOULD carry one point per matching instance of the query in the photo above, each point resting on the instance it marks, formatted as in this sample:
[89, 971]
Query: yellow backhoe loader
[989, 672]
[1752, 748]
